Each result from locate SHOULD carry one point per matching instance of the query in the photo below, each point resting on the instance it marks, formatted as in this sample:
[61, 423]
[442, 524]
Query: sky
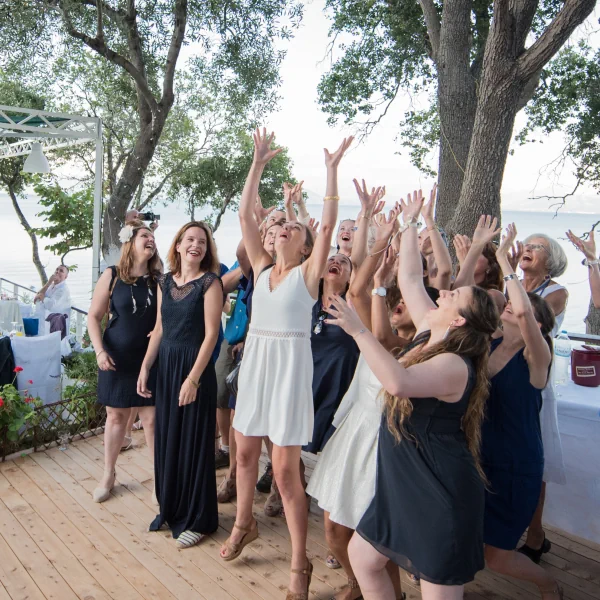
[301, 126]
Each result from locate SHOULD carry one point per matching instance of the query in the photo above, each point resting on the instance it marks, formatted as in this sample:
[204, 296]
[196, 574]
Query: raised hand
[587, 247]
[297, 193]
[487, 229]
[344, 316]
[462, 243]
[428, 208]
[370, 202]
[263, 152]
[507, 242]
[382, 274]
[288, 194]
[313, 224]
[515, 254]
[260, 212]
[411, 209]
[385, 226]
[333, 160]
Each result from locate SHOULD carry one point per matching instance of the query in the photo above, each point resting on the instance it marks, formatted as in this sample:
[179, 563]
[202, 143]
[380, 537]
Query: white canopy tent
[54, 131]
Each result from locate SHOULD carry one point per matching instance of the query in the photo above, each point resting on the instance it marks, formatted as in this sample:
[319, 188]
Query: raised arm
[298, 200]
[288, 203]
[537, 351]
[371, 203]
[444, 376]
[442, 279]
[243, 260]
[588, 249]
[231, 279]
[487, 229]
[259, 257]
[410, 273]
[313, 267]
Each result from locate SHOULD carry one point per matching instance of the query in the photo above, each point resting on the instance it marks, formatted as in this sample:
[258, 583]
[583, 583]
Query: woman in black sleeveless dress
[127, 295]
[427, 512]
[190, 301]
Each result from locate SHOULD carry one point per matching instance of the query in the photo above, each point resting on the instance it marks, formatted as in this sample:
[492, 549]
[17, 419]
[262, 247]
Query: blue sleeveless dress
[512, 453]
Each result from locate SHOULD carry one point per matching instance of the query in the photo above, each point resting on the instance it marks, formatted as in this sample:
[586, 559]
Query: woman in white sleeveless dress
[276, 372]
[543, 259]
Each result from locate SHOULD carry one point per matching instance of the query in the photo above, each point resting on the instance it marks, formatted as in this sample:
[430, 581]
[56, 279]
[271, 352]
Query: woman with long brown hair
[127, 294]
[427, 512]
[190, 301]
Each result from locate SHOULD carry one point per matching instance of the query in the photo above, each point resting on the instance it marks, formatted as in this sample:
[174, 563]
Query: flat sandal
[234, 550]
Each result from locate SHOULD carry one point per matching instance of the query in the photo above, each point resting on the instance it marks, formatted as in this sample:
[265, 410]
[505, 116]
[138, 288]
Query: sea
[16, 264]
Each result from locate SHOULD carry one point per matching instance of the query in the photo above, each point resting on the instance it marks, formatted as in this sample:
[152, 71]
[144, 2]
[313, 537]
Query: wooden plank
[15, 578]
[3, 593]
[85, 551]
[58, 555]
[140, 567]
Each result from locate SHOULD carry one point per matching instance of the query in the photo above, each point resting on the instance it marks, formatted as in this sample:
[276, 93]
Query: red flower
[1, 402]
[17, 369]
[28, 399]
[30, 381]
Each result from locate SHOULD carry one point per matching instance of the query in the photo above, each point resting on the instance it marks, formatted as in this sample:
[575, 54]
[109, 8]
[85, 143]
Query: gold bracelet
[433, 228]
[364, 217]
[194, 383]
[336, 198]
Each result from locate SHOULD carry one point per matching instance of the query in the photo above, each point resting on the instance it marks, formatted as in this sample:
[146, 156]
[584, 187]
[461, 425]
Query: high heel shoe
[234, 550]
[532, 553]
[101, 494]
[352, 585]
[302, 595]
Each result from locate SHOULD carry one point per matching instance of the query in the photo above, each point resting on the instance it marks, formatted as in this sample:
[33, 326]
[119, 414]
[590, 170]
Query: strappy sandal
[557, 590]
[352, 585]
[331, 562]
[226, 491]
[274, 504]
[187, 539]
[234, 550]
[532, 553]
[127, 443]
[302, 595]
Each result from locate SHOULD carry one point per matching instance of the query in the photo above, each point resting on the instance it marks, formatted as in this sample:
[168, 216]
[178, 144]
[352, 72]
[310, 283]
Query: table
[575, 507]
[10, 312]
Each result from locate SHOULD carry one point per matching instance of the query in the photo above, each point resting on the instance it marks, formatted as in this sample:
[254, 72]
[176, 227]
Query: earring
[448, 331]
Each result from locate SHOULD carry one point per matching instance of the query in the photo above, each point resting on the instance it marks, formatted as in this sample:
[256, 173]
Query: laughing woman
[277, 369]
[190, 301]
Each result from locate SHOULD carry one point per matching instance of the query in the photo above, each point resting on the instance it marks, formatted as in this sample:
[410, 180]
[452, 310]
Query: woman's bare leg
[370, 568]
[114, 432]
[431, 591]
[148, 416]
[338, 537]
[535, 533]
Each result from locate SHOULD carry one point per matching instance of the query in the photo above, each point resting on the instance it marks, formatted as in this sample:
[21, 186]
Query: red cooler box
[585, 366]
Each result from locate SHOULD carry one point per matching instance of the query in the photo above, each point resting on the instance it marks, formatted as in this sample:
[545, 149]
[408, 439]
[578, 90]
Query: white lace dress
[343, 482]
[275, 381]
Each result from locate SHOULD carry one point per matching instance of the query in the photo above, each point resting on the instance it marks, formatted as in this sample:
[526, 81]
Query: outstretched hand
[313, 225]
[263, 152]
[372, 202]
[260, 212]
[333, 160]
[411, 209]
[428, 208]
[386, 267]
[587, 247]
[344, 316]
[507, 241]
[287, 194]
[487, 229]
[385, 225]
[462, 243]
[515, 254]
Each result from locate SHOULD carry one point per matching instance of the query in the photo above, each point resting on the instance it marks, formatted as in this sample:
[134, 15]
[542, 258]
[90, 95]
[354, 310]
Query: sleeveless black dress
[335, 356]
[512, 453]
[184, 447]
[427, 512]
[126, 341]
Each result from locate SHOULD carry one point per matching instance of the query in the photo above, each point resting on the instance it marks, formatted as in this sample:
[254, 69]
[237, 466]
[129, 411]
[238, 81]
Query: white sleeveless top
[555, 287]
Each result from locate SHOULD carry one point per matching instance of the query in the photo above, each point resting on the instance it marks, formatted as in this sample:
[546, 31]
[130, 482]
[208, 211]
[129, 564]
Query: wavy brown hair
[127, 259]
[493, 279]
[471, 341]
[210, 262]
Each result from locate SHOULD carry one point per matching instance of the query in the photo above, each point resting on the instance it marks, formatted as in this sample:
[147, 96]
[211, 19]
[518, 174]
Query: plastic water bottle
[562, 358]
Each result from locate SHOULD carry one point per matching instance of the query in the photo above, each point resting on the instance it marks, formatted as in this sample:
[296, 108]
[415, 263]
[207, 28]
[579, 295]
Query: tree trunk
[35, 255]
[457, 103]
[221, 212]
[592, 320]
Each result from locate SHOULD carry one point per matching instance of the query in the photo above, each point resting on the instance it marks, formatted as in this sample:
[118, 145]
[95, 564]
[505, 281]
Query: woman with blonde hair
[190, 301]
[276, 373]
[127, 294]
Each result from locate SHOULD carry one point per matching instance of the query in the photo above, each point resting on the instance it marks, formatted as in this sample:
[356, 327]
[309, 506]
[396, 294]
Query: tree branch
[572, 14]
[563, 199]
[180, 17]
[432, 21]
[99, 46]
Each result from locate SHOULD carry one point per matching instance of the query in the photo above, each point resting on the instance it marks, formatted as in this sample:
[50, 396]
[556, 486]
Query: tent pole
[97, 207]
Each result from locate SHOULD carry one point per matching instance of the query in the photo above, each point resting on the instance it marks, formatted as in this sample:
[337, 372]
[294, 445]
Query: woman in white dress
[543, 259]
[276, 373]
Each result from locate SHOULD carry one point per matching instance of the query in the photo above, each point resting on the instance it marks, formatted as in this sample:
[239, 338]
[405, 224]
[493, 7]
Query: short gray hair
[556, 262]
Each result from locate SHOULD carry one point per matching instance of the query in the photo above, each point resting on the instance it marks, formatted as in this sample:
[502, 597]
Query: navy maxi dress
[335, 356]
[184, 448]
[512, 453]
[132, 316]
[427, 512]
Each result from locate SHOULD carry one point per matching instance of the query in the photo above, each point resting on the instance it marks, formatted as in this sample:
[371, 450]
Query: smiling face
[144, 246]
[535, 256]
[60, 274]
[192, 247]
[338, 270]
[400, 317]
[450, 303]
[270, 237]
[291, 239]
[345, 235]
[276, 215]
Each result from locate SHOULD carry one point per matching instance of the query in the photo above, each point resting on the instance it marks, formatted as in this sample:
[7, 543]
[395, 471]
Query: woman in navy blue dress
[512, 450]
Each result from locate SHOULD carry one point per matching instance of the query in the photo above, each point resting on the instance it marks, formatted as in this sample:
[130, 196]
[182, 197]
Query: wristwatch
[379, 291]
[589, 263]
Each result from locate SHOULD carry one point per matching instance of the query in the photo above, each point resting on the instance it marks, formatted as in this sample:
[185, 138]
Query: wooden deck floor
[56, 543]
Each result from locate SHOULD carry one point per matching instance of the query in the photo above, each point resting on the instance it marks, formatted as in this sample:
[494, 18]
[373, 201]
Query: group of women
[428, 396]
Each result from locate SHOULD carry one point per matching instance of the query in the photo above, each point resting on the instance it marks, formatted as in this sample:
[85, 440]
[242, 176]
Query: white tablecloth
[10, 312]
[575, 507]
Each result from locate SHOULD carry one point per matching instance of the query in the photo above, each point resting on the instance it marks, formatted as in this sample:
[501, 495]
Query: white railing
[12, 288]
